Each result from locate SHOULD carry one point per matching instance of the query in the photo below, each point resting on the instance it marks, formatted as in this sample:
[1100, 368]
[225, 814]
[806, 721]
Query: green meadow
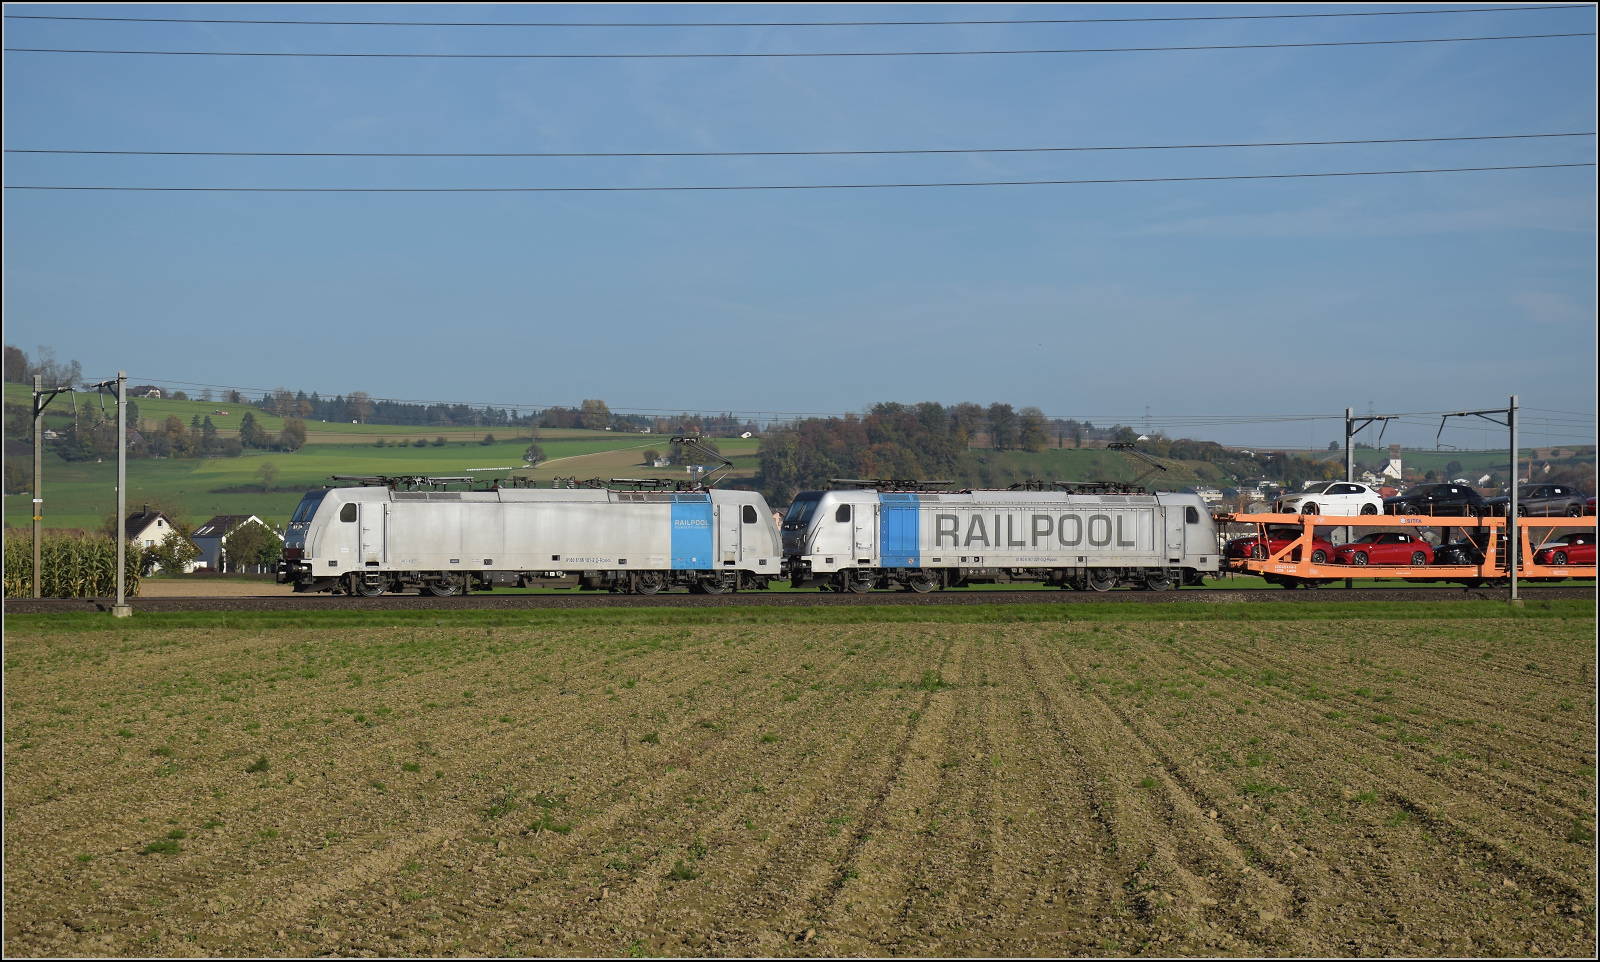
[82, 494]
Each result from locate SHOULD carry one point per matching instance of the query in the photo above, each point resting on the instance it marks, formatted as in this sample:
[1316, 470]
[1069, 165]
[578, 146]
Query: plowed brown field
[1305, 788]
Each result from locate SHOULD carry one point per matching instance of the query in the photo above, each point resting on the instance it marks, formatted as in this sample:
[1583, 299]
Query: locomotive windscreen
[801, 510]
[308, 506]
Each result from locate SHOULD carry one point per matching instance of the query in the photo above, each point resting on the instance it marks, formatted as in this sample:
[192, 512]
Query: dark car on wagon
[1446, 498]
[1541, 499]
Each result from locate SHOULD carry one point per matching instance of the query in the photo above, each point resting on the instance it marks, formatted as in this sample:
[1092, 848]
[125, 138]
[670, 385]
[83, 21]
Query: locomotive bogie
[373, 540]
[850, 539]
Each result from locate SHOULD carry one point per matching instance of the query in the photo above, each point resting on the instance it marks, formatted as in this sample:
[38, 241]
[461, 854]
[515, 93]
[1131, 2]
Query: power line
[785, 153]
[768, 56]
[811, 23]
[739, 187]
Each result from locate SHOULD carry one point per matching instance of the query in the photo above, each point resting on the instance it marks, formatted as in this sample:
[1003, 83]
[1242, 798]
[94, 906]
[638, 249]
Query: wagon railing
[1293, 561]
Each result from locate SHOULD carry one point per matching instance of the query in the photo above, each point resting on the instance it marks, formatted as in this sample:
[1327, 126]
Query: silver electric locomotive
[375, 538]
[860, 539]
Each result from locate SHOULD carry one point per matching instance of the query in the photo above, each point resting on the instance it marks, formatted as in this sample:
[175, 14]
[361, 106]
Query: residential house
[212, 539]
[150, 528]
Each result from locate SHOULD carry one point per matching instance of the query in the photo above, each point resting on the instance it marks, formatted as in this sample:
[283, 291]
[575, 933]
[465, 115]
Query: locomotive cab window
[1190, 515]
[800, 513]
[348, 512]
[843, 514]
[308, 506]
[749, 514]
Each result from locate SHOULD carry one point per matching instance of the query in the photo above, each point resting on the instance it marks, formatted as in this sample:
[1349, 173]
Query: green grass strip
[924, 614]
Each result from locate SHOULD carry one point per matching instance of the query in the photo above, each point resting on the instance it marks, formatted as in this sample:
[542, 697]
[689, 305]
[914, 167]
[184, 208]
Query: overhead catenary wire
[792, 153]
[782, 187]
[745, 55]
[796, 23]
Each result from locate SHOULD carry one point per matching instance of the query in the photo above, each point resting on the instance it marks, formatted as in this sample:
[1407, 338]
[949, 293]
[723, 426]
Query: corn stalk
[69, 566]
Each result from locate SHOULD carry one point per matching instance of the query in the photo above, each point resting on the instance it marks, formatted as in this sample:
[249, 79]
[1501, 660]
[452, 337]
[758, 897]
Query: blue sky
[1416, 293]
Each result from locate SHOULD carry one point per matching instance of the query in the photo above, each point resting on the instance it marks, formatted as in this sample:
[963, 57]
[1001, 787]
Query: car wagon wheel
[1560, 558]
[1418, 559]
[923, 582]
[1258, 552]
[1360, 558]
[1101, 579]
[1319, 557]
[1369, 509]
[1574, 511]
[1309, 509]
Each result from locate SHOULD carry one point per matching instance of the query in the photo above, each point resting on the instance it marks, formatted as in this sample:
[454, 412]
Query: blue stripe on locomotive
[897, 530]
[691, 531]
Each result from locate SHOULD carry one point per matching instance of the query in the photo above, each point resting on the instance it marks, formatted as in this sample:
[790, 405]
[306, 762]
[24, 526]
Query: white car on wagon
[1333, 497]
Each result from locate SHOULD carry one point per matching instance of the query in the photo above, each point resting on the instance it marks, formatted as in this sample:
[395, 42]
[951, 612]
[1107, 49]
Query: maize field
[70, 566]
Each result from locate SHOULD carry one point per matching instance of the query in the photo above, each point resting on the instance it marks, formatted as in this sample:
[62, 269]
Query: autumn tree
[360, 406]
[1002, 427]
[293, 435]
[1033, 433]
[594, 415]
[252, 544]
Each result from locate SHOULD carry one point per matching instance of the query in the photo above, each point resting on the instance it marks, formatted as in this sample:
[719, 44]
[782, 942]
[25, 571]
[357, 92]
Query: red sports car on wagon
[1571, 549]
[1385, 548]
[1277, 540]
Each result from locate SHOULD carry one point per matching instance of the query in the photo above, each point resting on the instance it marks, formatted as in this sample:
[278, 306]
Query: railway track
[501, 602]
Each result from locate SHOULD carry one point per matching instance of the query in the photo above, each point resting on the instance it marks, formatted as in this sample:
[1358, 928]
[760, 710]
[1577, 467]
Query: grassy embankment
[956, 614]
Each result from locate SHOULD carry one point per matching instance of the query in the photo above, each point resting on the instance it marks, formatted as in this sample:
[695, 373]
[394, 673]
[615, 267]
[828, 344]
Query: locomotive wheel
[1158, 580]
[717, 585]
[649, 582]
[858, 582]
[1101, 580]
[923, 582]
[445, 587]
[368, 586]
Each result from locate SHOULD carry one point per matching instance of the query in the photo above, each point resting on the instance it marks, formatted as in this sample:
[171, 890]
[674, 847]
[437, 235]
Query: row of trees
[92, 437]
[890, 441]
[929, 441]
[20, 368]
[362, 408]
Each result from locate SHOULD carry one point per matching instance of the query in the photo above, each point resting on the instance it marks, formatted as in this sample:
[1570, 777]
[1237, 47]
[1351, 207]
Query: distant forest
[930, 441]
[924, 441]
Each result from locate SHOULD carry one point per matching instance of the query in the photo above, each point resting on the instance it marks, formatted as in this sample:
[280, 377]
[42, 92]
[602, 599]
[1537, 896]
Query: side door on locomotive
[864, 528]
